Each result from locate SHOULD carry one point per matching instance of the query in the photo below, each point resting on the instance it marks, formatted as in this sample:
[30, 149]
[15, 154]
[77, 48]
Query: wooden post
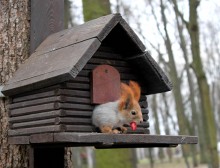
[47, 17]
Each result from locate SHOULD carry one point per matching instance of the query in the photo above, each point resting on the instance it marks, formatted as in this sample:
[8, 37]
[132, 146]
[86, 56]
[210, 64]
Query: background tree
[95, 8]
[14, 49]
[206, 106]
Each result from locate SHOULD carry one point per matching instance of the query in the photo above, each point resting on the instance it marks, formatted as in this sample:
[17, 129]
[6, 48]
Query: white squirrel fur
[107, 114]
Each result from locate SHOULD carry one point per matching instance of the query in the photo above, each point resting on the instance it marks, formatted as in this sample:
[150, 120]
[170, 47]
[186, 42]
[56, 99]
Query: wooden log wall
[67, 107]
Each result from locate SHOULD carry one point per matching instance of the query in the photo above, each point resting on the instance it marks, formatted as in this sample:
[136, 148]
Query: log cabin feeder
[53, 93]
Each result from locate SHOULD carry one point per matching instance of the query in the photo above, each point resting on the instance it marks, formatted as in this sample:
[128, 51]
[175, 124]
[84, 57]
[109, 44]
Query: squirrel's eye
[133, 112]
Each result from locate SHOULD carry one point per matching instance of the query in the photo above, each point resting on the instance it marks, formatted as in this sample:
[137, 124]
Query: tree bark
[14, 49]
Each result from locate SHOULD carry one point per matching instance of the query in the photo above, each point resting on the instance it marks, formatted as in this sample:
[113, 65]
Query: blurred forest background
[183, 37]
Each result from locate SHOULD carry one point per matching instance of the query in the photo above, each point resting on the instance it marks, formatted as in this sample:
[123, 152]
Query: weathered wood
[105, 85]
[144, 111]
[78, 93]
[80, 128]
[53, 20]
[75, 106]
[78, 113]
[120, 69]
[145, 117]
[74, 121]
[34, 96]
[34, 109]
[36, 102]
[35, 130]
[62, 98]
[143, 104]
[36, 123]
[78, 86]
[42, 138]
[37, 116]
[51, 114]
[99, 138]
[18, 140]
[116, 63]
[139, 130]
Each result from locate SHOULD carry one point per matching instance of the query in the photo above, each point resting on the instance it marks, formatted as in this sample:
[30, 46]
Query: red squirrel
[126, 110]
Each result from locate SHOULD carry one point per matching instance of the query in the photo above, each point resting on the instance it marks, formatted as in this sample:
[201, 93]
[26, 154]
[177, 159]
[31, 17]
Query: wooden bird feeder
[53, 94]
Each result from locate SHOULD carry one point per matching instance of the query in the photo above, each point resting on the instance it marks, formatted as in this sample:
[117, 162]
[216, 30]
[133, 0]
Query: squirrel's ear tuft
[126, 98]
[135, 89]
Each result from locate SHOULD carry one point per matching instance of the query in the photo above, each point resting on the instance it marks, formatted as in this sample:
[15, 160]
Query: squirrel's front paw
[116, 131]
[123, 130]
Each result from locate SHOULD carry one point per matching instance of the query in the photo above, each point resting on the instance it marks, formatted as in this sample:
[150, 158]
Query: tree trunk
[14, 49]
[182, 120]
[195, 118]
[95, 8]
[208, 115]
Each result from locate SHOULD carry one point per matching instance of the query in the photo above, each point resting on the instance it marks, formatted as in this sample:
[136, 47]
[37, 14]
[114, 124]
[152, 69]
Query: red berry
[133, 126]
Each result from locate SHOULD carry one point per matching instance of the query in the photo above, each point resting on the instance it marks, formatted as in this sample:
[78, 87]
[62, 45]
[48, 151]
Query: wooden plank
[74, 121]
[37, 116]
[42, 138]
[75, 106]
[80, 128]
[79, 100]
[143, 104]
[78, 113]
[139, 130]
[45, 89]
[120, 69]
[34, 109]
[144, 111]
[145, 117]
[108, 55]
[34, 96]
[100, 138]
[21, 140]
[116, 63]
[80, 79]
[36, 82]
[52, 20]
[35, 102]
[36, 123]
[78, 86]
[78, 93]
[36, 130]
[42, 101]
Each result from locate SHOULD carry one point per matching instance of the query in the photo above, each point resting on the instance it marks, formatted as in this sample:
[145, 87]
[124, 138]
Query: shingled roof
[61, 56]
